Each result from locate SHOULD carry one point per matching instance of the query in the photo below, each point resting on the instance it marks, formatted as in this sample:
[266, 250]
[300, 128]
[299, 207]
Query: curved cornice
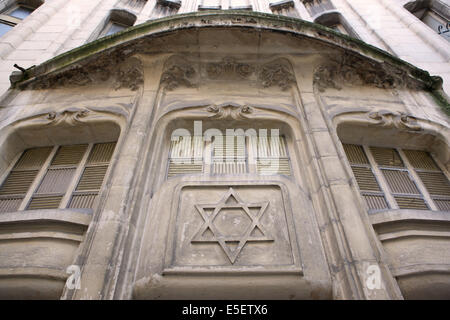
[229, 18]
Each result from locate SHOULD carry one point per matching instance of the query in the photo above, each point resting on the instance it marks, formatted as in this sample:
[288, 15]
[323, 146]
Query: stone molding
[351, 70]
[182, 72]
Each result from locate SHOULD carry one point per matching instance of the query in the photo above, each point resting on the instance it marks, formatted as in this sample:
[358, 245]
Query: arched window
[434, 13]
[14, 12]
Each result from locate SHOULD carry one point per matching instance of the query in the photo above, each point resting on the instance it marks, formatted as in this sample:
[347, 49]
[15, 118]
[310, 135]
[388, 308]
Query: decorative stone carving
[277, 73]
[230, 226]
[179, 72]
[69, 116]
[245, 227]
[75, 115]
[228, 68]
[399, 120]
[130, 77]
[351, 70]
[229, 111]
[119, 67]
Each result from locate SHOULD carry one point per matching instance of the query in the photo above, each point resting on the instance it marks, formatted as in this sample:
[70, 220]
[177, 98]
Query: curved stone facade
[330, 182]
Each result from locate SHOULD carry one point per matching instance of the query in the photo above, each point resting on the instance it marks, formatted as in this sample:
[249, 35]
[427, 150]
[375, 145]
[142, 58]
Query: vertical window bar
[37, 181]
[92, 176]
[419, 184]
[76, 177]
[380, 177]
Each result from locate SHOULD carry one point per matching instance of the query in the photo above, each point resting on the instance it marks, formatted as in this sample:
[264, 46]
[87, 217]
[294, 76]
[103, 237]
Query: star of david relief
[232, 223]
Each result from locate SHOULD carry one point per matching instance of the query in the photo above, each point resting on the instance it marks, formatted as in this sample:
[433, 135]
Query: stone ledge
[395, 215]
[74, 216]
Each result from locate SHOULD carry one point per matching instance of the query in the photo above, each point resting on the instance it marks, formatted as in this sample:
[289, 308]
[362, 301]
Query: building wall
[59, 26]
[322, 90]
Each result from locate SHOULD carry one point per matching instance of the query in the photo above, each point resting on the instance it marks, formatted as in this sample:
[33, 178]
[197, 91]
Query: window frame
[433, 8]
[71, 190]
[251, 158]
[385, 189]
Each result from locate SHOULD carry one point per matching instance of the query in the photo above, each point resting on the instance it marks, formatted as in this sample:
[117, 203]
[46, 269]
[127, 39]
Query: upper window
[225, 5]
[165, 8]
[117, 21]
[235, 154]
[434, 14]
[336, 21]
[13, 15]
[67, 176]
[285, 8]
[114, 27]
[315, 7]
[398, 179]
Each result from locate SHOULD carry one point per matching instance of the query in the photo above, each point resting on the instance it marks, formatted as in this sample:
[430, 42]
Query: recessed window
[118, 20]
[56, 177]
[284, 8]
[434, 14]
[13, 15]
[397, 178]
[334, 20]
[315, 7]
[5, 27]
[339, 28]
[21, 12]
[239, 154]
[114, 28]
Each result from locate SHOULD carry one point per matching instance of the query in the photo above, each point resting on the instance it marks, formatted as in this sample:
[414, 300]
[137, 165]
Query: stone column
[350, 242]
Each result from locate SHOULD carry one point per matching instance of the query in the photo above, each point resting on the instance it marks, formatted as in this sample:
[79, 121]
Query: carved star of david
[231, 201]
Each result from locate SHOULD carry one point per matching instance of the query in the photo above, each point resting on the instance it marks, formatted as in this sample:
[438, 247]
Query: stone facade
[312, 212]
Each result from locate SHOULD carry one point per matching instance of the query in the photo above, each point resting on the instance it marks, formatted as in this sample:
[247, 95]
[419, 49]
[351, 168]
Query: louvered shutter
[91, 179]
[272, 156]
[399, 179]
[186, 156]
[432, 177]
[56, 180]
[19, 180]
[229, 155]
[365, 178]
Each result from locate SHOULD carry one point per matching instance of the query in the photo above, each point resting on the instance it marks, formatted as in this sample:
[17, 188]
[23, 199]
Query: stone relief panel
[185, 72]
[122, 70]
[351, 70]
[231, 227]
